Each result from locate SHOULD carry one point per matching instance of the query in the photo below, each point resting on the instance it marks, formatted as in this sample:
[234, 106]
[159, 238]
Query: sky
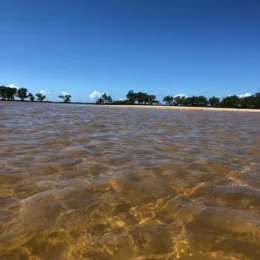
[202, 47]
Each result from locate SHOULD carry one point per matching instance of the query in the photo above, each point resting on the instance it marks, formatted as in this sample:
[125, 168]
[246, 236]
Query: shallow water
[88, 182]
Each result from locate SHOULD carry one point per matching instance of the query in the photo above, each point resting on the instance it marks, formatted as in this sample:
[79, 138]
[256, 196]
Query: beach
[186, 108]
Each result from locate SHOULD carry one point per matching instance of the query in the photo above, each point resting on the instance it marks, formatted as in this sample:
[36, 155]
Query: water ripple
[88, 182]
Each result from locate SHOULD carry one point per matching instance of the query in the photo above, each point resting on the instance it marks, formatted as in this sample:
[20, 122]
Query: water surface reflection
[82, 182]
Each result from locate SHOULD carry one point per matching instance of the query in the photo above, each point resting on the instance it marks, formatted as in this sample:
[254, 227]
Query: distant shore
[143, 106]
[185, 108]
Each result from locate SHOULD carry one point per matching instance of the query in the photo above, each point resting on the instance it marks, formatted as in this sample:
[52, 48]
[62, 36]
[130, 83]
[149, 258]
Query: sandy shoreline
[144, 106]
[184, 108]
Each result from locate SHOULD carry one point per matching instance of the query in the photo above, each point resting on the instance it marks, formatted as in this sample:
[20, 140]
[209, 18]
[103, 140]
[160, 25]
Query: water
[88, 182]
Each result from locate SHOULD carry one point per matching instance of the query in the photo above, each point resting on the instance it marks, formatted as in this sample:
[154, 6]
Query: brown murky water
[84, 182]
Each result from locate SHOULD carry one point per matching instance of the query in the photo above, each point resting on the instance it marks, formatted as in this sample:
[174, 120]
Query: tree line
[142, 98]
[8, 93]
[132, 98]
[232, 101]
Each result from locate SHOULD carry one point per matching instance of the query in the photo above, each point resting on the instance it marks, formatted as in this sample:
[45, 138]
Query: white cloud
[245, 95]
[180, 95]
[13, 86]
[64, 93]
[44, 92]
[95, 94]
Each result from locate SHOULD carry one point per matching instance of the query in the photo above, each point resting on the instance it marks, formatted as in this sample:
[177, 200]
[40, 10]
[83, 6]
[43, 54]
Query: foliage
[196, 101]
[140, 98]
[3, 92]
[22, 93]
[256, 102]
[66, 98]
[214, 101]
[131, 96]
[40, 97]
[180, 100]
[231, 101]
[251, 101]
[7, 93]
[168, 100]
[31, 97]
[104, 99]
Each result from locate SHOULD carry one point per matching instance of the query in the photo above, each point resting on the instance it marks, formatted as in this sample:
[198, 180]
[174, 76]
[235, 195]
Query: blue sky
[202, 47]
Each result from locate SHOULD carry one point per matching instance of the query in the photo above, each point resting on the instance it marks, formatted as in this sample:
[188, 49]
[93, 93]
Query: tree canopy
[66, 98]
[31, 97]
[214, 101]
[40, 97]
[231, 101]
[104, 99]
[168, 100]
[22, 93]
[140, 98]
[7, 93]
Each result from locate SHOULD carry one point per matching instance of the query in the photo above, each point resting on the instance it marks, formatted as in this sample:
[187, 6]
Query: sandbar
[184, 108]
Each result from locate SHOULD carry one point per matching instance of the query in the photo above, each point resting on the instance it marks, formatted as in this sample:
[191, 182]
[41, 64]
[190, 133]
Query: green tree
[202, 101]
[252, 101]
[257, 100]
[214, 101]
[231, 101]
[100, 101]
[152, 100]
[22, 93]
[10, 93]
[3, 95]
[66, 98]
[195, 101]
[40, 97]
[109, 100]
[180, 100]
[131, 97]
[168, 100]
[141, 98]
[104, 99]
[248, 101]
[31, 97]
[190, 101]
[7, 93]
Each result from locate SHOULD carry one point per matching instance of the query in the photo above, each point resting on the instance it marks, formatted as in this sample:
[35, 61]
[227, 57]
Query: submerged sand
[87, 182]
